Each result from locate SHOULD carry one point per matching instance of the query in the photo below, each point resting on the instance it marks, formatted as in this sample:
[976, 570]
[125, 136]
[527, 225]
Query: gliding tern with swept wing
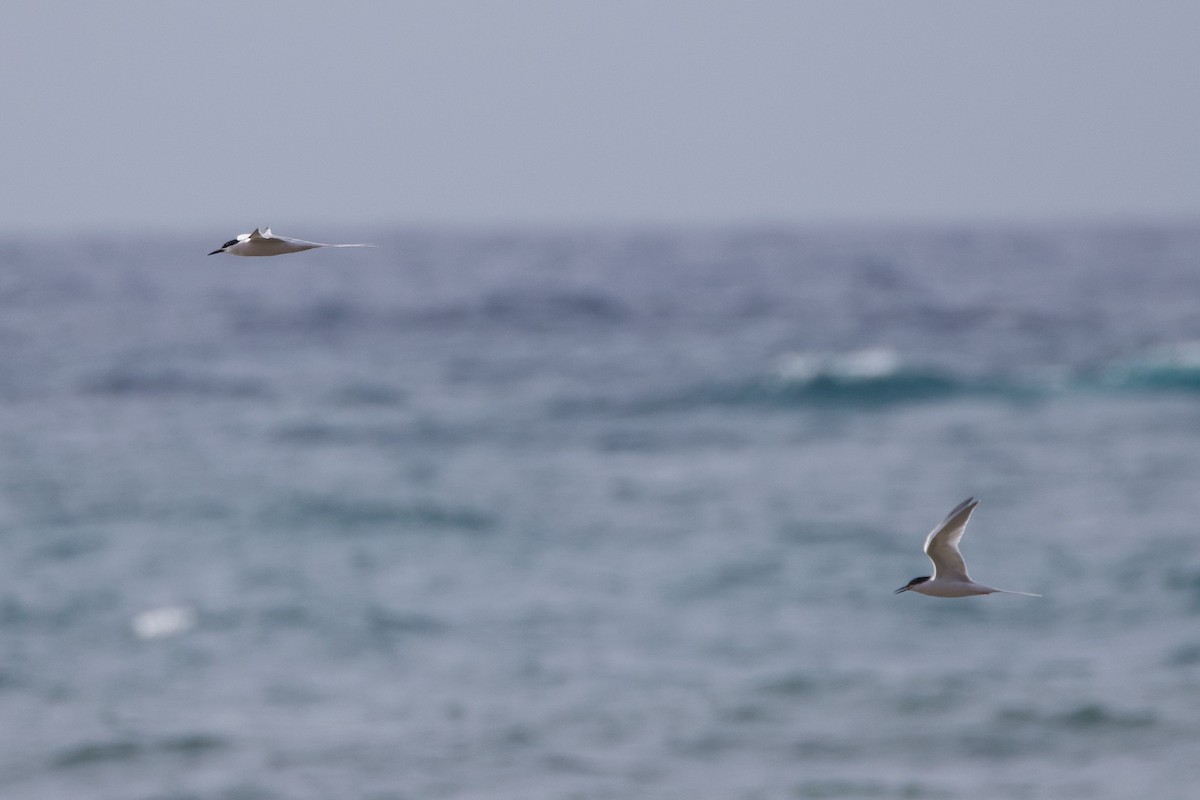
[950, 577]
[261, 242]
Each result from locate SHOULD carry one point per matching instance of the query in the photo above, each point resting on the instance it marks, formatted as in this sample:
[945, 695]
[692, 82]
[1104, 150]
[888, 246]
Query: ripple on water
[127, 381]
[121, 750]
[350, 514]
[1086, 717]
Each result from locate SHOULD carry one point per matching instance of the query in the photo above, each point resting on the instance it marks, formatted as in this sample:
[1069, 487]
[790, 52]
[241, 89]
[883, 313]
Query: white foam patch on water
[858, 365]
[157, 623]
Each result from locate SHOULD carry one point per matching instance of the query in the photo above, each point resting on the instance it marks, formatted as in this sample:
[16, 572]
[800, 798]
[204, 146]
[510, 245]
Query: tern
[950, 578]
[261, 242]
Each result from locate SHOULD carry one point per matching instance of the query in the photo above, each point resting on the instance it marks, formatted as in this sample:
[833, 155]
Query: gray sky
[311, 116]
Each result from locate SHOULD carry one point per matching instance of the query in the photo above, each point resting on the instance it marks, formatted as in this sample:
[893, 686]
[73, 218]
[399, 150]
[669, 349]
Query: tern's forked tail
[1009, 591]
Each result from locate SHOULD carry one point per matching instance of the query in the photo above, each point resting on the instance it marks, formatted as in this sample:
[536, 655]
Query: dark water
[600, 515]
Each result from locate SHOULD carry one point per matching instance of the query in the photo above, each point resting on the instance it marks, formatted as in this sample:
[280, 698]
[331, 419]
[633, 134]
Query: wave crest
[1171, 368]
[859, 378]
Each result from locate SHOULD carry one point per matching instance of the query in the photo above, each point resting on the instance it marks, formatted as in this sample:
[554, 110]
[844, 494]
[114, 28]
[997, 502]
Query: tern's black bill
[902, 589]
[214, 252]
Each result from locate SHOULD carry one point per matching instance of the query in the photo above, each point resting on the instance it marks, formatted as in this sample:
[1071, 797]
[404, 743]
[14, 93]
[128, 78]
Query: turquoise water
[606, 514]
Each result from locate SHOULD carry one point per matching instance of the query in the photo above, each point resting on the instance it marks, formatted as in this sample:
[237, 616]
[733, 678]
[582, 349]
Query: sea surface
[611, 513]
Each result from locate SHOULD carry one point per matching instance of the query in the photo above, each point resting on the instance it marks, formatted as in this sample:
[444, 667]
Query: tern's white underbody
[949, 588]
[950, 578]
[261, 242]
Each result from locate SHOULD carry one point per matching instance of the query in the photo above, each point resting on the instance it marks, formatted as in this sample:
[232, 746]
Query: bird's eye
[230, 243]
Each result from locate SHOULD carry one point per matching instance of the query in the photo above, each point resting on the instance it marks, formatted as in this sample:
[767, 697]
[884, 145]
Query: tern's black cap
[912, 583]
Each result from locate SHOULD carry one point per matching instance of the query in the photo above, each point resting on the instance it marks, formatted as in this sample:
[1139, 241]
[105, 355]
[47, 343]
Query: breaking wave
[1174, 368]
[882, 378]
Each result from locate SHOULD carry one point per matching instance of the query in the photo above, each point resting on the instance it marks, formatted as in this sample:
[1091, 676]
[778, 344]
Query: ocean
[600, 513]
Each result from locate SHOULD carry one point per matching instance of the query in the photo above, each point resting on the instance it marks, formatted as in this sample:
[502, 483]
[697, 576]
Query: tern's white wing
[290, 240]
[942, 544]
[265, 233]
[305, 243]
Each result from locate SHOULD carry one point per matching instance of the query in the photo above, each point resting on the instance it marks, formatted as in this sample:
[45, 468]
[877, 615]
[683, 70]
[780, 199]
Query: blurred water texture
[600, 514]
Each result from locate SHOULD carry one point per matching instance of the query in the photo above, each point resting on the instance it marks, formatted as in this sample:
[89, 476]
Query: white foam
[857, 365]
[165, 621]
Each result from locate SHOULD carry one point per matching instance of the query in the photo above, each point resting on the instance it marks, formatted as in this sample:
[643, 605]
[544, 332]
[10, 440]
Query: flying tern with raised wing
[950, 578]
[261, 242]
